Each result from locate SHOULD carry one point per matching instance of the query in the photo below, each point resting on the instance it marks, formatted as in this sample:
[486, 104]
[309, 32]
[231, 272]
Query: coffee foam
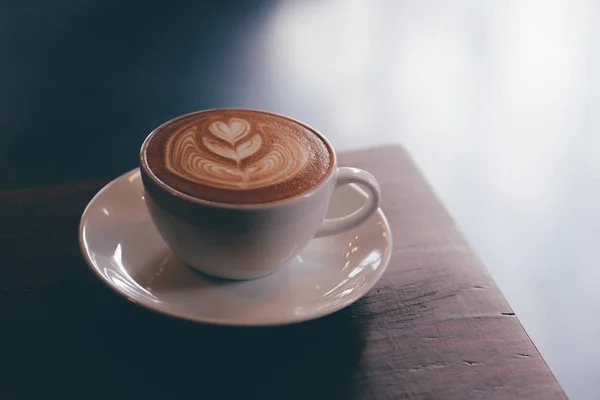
[202, 163]
[238, 156]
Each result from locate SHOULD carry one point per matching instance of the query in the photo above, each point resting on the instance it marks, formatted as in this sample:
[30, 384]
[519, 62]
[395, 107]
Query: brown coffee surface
[238, 156]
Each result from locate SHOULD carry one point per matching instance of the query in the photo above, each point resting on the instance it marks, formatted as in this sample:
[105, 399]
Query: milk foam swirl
[232, 155]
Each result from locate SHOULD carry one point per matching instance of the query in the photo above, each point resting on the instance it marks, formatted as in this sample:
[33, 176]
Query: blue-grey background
[498, 102]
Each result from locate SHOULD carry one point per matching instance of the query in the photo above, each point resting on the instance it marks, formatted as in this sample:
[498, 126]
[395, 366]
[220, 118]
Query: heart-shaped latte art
[232, 141]
[233, 131]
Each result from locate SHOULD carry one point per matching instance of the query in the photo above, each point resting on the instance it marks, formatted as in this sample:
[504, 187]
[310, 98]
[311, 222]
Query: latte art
[237, 156]
[218, 161]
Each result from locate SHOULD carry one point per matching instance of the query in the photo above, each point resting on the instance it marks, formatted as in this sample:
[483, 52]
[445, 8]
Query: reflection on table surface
[497, 102]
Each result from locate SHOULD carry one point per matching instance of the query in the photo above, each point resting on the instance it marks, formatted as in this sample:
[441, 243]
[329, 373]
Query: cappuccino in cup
[238, 193]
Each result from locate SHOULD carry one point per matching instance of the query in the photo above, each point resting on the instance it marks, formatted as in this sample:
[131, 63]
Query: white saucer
[125, 251]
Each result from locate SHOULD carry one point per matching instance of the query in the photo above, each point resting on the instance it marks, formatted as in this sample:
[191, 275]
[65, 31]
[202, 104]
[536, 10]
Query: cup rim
[146, 170]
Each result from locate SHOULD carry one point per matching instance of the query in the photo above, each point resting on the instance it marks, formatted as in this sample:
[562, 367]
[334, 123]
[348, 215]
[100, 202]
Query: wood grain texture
[435, 327]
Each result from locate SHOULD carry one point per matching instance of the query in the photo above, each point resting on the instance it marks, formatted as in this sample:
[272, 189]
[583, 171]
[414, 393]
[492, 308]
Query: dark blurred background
[497, 101]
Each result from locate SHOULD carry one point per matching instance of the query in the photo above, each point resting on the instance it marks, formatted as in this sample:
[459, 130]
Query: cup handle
[346, 175]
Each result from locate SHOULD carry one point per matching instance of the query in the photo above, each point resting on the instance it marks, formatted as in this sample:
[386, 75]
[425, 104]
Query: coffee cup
[238, 193]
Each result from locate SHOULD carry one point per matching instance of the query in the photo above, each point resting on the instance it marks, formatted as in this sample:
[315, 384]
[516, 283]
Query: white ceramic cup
[249, 241]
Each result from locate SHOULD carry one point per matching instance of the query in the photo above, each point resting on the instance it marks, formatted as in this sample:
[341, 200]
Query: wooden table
[435, 327]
